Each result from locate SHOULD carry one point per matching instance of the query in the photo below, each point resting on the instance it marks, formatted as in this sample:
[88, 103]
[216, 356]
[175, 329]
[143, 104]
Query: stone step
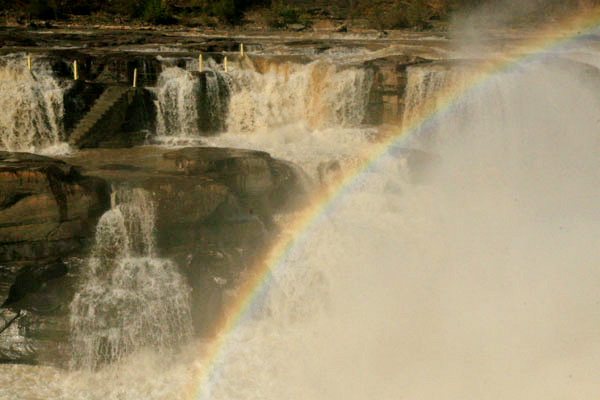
[111, 96]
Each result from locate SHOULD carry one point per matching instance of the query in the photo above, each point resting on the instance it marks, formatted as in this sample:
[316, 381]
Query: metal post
[242, 50]
[200, 63]
[75, 75]
[134, 77]
[225, 63]
[29, 62]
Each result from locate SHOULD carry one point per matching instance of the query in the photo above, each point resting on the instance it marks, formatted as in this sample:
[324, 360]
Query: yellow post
[200, 63]
[242, 50]
[134, 77]
[29, 62]
[225, 63]
[75, 75]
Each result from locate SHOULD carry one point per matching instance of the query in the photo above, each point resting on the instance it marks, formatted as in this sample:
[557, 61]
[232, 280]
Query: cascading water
[481, 283]
[320, 95]
[190, 105]
[130, 298]
[32, 107]
[304, 113]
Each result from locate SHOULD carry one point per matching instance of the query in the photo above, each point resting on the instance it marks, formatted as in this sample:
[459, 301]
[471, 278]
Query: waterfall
[423, 85]
[129, 298]
[424, 88]
[319, 95]
[480, 283]
[306, 113]
[191, 105]
[32, 107]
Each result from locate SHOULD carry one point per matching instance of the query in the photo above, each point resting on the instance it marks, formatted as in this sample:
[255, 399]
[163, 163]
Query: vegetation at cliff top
[379, 14]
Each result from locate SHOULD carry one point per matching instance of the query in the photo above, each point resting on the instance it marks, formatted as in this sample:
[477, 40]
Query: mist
[460, 264]
[479, 282]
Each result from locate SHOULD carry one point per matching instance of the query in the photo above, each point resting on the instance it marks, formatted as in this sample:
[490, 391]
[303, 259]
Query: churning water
[32, 107]
[480, 281]
[129, 299]
[189, 106]
[306, 113]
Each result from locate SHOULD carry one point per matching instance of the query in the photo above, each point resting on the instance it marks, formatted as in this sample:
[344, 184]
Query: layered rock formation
[48, 213]
[214, 208]
[214, 212]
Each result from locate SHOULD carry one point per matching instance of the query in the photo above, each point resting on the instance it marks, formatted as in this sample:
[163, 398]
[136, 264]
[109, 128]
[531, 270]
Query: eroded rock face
[214, 209]
[48, 211]
[45, 203]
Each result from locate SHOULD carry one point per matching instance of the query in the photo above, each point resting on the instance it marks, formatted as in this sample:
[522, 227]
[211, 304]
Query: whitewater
[471, 273]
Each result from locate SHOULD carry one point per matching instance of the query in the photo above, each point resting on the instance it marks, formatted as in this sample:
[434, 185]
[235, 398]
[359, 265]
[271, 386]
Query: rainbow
[543, 42]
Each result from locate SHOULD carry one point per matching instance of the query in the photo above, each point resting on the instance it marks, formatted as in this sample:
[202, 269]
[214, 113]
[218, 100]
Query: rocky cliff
[48, 213]
[214, 212]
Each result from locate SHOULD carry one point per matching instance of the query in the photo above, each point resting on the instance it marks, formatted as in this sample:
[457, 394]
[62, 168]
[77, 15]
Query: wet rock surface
[44, 201]
[214, 208]
[214, 213]
[48, 212]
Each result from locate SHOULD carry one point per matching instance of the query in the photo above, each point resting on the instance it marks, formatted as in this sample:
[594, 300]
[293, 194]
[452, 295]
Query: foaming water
[146, 374]
[481, 283]
[304, 113]
[320, 94]
[129, 299]
[32, 107]
[302, 145]
[190, 106]
[130, 320]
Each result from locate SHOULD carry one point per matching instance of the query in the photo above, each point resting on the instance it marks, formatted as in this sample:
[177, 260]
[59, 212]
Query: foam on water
[479, 284]
[32, 107]
[129, 298]
[304, 113]
[189, 106]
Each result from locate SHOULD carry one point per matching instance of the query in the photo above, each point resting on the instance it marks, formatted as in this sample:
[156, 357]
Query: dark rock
[119, 117]
[30, 279]
[213, 103]
[48, 211]
[140, 119]
[42, 199]
[329, 171]
[78, 99]
[214, 209]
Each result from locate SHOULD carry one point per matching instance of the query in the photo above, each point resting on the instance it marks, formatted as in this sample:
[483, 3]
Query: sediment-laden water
[130, 298]
[32, 107]
[478, 280]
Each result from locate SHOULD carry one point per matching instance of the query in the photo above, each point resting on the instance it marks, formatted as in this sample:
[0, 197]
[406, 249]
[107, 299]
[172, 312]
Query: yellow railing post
[75, 75]
[29, 62]
[225, 64]
[134, 77]
[242, 50]
[200, 63]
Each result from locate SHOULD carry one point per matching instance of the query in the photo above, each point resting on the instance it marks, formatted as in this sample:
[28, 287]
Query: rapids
[478, 281]
[130, 298]
[32, 107]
